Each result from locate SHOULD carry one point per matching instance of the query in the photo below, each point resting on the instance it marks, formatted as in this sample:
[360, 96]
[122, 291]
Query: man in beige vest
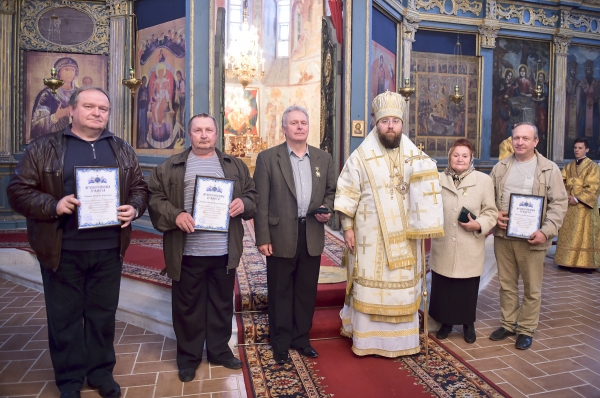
[525, 172]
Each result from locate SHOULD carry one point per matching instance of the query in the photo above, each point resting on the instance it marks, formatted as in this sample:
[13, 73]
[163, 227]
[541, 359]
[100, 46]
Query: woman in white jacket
[457, 258]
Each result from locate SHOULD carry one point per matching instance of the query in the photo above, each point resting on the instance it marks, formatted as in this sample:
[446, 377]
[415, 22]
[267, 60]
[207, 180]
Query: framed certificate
[97, 188]
[524, 215]
[210, 209]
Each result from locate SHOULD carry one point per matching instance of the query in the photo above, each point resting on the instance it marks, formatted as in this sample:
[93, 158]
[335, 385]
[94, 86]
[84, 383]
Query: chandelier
[244, 56]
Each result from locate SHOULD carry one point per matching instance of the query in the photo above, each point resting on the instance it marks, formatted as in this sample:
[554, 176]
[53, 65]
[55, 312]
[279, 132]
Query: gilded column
[488, 31]
[561, 45]
[7, 15]
[120, 48]
[410, 24]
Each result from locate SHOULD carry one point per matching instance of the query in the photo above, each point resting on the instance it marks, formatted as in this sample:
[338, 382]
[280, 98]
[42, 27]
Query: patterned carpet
[447, 375]
[264, 378]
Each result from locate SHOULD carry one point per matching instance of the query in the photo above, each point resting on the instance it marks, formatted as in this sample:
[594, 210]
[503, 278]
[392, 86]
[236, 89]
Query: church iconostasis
[73, 38]
[521, 67]
[47, 112]
[435, 121]
[582, 108]
[160, 123]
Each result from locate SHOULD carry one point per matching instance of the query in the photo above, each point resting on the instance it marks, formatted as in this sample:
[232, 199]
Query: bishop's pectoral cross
[397, 183]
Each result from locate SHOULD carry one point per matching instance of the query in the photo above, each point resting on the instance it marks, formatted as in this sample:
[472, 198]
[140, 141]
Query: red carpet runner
[337, 371]
[143, 260]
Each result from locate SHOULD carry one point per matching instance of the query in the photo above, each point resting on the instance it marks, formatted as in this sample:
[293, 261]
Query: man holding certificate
[533, 202]
[296, 184]
[80, 188]
[198, 199]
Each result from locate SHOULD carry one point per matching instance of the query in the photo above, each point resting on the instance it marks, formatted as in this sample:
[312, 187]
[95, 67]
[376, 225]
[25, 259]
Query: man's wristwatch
[137, 212]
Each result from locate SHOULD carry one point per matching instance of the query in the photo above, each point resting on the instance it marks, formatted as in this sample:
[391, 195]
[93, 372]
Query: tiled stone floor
[145, 361]
[564, 360]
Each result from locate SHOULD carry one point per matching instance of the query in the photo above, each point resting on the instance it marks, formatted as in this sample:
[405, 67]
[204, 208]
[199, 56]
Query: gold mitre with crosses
[388, 104]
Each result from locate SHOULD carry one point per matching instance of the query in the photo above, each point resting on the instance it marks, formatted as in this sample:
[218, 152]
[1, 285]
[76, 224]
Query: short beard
[389, 143]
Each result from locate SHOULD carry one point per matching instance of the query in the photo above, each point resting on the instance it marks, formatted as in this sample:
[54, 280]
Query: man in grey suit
[296, 186]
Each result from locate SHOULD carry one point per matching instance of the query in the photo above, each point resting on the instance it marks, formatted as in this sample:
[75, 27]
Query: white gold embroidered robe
[384, 274]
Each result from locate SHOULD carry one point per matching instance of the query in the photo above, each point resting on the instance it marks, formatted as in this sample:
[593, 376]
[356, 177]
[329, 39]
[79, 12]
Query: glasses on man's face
[395, 120]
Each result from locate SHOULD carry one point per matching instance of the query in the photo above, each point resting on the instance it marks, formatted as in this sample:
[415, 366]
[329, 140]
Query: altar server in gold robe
[388, 197]
[578, 244]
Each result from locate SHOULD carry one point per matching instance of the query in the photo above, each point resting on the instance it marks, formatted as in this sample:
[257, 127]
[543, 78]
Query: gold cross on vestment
[375, 157]
[364, 245]
[383, 293]
[365, 213]
[433, 192]
[394, 216]
[418, 212]
[415, 157]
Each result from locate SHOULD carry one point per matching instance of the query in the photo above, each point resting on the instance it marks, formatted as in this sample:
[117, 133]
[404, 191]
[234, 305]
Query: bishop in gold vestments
[389, 197]
[579, 237]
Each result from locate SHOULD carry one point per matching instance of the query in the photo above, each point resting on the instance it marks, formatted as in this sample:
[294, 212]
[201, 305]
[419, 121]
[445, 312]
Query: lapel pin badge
[318, 172]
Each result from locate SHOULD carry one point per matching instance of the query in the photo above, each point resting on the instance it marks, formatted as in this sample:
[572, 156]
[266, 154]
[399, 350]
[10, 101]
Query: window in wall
[235, 17]
[283, 28]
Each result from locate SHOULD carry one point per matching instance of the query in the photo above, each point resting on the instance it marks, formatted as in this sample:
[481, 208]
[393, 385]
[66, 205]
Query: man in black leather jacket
[81, 268]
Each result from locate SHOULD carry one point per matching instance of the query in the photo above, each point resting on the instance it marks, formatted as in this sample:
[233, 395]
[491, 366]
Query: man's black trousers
[203, 309]
[81, 301]
[292, 285]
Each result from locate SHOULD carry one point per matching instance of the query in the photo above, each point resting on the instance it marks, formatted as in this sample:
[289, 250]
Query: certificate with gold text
[524, 215]
[97, 188]
[210, 209]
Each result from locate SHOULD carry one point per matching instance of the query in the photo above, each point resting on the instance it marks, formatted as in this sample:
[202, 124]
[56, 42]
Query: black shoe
[576, 270]
[187, 374]
[110, 389]
[70, 394]
[443, 332]
[501, 334]
[523, 342]
[308, 352]
[281, 358]
[469, 333]
[230, 363]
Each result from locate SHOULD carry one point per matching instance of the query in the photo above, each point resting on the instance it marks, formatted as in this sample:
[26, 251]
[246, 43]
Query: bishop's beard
[389, 142]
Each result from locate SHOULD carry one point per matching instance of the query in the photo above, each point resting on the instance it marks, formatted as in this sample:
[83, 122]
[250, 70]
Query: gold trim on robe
[579, 237]
[384, 279]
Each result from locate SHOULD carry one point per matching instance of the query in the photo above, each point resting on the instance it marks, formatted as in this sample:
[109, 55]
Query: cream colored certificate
[212, 197]
[524, 215]
[97, 188]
